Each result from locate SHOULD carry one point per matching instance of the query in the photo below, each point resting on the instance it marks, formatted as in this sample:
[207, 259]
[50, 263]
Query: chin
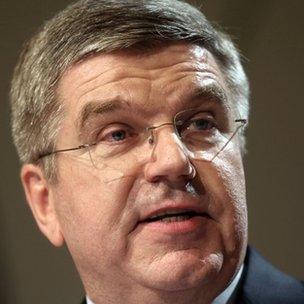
[181, 270]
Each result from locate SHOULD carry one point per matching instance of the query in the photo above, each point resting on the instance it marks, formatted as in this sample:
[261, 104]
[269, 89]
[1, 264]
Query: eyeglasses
[198, 133]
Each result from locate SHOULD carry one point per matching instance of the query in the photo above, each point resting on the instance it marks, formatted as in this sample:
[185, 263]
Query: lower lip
[193, 224]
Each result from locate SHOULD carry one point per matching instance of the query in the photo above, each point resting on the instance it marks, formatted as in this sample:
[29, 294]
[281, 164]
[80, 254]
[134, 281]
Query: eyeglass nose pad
[151, 139]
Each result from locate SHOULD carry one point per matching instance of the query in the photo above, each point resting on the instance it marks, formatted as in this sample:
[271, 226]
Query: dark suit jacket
[261, 283]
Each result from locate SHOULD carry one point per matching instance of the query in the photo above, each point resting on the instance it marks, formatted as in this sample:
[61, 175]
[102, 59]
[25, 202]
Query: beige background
[270, 35]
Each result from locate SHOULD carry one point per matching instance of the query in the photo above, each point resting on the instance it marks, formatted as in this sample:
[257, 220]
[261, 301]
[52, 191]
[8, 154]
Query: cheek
[90, 209]
[235, 217]
[234, 210]
[225, 184]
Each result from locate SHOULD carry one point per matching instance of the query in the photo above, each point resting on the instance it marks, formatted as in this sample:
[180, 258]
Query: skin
[96, 212]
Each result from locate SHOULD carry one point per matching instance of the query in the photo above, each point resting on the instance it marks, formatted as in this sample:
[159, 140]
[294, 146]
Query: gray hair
[93, 26]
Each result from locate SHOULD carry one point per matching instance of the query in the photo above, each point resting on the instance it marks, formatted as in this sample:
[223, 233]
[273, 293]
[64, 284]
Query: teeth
[172, 216]
[168, 213]
[178, 218]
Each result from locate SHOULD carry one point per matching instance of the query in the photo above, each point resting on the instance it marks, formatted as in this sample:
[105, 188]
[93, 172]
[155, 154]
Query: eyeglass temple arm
[243, 122]
[65, 150]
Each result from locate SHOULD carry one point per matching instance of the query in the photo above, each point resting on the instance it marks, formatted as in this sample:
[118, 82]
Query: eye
[119, 135]
[115, 134]
[202, 123]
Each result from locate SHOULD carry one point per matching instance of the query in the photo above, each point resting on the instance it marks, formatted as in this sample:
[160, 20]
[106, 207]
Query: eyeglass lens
[196, 133]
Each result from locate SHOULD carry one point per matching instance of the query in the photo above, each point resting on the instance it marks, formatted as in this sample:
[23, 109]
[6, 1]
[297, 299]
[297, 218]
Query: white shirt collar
[228, 293]
[89, 301]
[224, 297]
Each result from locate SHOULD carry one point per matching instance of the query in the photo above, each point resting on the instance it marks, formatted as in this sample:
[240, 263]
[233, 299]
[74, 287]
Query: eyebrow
[100, 107]
[209, 92]
[212, 92]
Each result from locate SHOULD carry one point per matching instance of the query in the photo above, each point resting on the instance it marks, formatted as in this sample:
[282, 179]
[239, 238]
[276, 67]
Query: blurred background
[270, 35]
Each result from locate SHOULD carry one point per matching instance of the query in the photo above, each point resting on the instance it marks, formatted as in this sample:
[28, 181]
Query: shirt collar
[89, 301]
[229, 292]
[224, 297]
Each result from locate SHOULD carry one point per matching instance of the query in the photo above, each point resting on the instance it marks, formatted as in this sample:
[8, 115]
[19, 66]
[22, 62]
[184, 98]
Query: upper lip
[171, 207]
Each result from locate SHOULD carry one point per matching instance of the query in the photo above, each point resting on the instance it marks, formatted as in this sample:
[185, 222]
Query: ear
[41, 203]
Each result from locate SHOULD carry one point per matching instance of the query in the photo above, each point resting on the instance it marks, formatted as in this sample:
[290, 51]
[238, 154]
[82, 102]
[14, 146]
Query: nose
[169, 159]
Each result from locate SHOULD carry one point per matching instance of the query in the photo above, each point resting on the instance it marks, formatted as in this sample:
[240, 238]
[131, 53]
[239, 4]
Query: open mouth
[174, 217]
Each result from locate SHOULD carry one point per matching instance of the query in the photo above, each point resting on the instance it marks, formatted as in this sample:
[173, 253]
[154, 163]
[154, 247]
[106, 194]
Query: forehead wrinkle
[95, 77]
[182, 65]
[116, 74]
[119, 73]
[111, 82]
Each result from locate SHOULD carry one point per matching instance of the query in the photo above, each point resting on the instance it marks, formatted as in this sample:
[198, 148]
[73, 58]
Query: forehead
[154, 80]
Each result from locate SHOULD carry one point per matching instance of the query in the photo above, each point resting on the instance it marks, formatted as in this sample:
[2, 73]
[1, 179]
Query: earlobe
[41, 203]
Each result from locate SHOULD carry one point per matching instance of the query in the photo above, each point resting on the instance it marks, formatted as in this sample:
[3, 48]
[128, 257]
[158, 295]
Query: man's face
[104, 212]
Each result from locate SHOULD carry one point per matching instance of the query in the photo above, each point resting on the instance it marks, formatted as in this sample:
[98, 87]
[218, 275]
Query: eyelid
[207, 116]
[207, 113]
[112, 128]
[200, 114]
[207, 119]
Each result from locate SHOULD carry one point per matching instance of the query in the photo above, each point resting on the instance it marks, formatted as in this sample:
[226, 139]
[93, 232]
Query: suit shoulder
[262, 283]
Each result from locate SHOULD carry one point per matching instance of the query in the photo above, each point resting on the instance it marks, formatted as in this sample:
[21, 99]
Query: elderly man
[129, 119]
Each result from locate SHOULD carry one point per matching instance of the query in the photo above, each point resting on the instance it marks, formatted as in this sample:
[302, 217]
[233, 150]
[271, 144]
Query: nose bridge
[154, 130]
[169, 158]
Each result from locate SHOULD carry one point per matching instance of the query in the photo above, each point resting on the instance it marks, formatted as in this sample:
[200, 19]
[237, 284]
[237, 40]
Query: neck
[156, 297]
